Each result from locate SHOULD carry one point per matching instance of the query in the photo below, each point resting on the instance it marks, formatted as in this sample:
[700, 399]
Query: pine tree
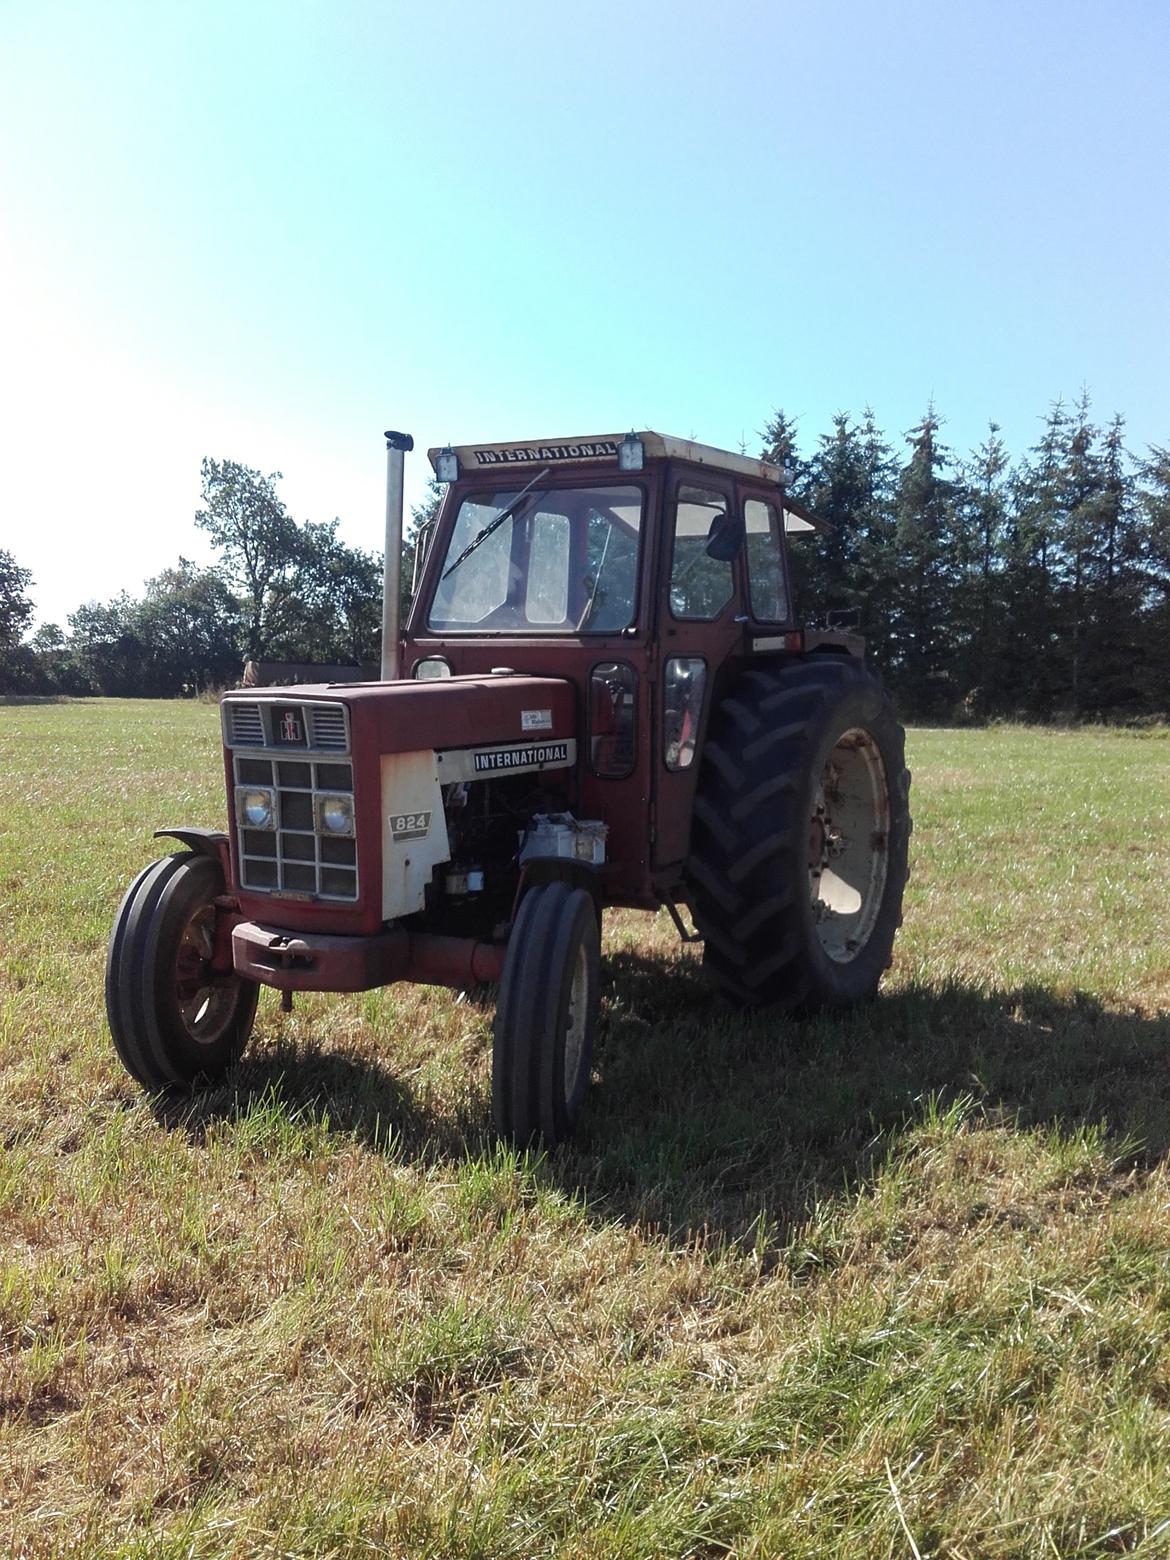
[837, 490]
[1116, 677]
[1153, 574]
[922, 651]
[1082, 529]
[877, 562]
[1038, 677]
[780, 448]
[982, 518]
[779, 436]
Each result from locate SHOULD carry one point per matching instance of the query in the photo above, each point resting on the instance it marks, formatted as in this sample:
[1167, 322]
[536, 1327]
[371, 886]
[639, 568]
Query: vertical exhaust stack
[397, 444]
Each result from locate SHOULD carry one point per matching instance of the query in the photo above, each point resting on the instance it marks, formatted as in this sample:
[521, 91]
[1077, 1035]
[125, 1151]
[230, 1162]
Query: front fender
[559, 869]
[204, 842]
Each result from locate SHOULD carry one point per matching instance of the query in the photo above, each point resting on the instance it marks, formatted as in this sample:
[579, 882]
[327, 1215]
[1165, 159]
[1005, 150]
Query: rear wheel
[172, 1019]
[800, 835]
[546, 1016]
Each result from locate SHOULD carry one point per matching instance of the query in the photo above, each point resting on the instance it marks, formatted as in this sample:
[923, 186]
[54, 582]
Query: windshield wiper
[493, 525]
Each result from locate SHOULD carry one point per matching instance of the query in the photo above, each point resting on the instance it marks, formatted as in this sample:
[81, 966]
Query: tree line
[1037, 588]
[279, 590]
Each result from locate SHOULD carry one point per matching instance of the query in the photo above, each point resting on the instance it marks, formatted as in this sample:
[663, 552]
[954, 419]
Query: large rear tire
[546, 1016]
[173, 1021]
[800, 834]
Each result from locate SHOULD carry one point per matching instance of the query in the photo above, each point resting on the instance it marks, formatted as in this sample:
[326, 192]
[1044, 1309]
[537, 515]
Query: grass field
[896, 1284]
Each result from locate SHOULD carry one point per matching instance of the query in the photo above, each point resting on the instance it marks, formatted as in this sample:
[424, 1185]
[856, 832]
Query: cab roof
[603, 450]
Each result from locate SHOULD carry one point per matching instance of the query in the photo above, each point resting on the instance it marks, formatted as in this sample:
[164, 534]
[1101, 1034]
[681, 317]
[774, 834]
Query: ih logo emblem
[289, 728]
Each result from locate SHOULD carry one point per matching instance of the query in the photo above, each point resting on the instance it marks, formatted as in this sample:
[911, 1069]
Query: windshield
[563, 560]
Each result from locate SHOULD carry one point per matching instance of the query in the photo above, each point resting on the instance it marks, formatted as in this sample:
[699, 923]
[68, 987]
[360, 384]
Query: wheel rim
[848, 843]
[205, 1003]
[577, 1024]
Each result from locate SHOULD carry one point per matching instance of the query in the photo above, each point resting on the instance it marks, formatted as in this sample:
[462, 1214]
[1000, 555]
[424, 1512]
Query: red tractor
[601, 697]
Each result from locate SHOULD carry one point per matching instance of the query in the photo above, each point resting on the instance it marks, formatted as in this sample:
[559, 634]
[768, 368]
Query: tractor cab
[644, 569]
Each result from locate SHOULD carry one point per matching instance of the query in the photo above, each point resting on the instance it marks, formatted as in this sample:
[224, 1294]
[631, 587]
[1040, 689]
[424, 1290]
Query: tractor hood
[403, 716]
[462, 712]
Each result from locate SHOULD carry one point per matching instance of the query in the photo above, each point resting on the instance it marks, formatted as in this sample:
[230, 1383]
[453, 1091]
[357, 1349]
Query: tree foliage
[328, 605]
[416, 542]
[16, 610]
[257, 537]
[278, 589]
[1039, 590]
[16, 606]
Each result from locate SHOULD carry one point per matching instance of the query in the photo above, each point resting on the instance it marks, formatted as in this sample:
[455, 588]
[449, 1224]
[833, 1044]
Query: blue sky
[269, 231]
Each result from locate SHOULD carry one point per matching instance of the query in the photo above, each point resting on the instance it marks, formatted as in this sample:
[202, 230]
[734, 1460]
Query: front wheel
[173, 1020]
[546, 1016]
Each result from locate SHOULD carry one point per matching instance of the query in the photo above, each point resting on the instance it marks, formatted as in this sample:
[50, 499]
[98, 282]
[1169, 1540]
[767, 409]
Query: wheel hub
[205, 1004]
[848, 831]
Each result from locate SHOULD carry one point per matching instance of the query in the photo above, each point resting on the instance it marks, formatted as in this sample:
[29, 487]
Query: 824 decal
[410, 826]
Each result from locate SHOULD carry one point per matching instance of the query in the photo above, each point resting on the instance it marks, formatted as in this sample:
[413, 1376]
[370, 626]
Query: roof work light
[631, 453]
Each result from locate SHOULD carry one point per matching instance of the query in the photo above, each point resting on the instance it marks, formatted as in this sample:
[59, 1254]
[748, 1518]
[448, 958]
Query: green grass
[886, 1284]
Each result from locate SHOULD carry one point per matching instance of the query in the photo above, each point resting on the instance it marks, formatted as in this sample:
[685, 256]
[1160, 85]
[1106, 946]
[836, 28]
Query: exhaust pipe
[397, 445]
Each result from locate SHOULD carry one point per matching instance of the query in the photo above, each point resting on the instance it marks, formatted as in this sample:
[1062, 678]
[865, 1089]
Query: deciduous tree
[16, 610]
[328, 606]
[258, 539]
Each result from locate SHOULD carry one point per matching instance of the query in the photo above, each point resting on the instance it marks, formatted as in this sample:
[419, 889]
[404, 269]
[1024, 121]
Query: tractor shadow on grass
[707, 1117]
[296, 1088]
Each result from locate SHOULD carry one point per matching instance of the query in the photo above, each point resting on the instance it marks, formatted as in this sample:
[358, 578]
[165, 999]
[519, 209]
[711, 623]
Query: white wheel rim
[577, 1020]
[849, 833]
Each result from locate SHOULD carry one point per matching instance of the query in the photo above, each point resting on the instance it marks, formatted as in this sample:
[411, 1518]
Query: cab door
[768, 595]
[701, 624]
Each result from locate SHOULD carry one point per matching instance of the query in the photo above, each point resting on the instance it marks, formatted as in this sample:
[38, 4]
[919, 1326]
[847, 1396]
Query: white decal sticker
[454, 764]
[521, 758]
[535, 720]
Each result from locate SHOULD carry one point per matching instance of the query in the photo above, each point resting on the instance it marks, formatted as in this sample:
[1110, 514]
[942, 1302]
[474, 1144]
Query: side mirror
[844, 617]
[725, 538]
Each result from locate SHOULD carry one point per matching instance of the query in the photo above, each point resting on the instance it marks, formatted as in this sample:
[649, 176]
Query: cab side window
[700, 587]
[765, 558]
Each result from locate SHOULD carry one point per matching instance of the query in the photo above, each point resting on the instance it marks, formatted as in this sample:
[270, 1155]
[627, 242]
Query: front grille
[327, 727]
[245, 727]
[298, 856]
[276, 722]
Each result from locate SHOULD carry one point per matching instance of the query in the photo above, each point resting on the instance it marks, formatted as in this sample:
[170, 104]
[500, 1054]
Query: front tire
[799, 841]
[546, 1016]
[173, 1021]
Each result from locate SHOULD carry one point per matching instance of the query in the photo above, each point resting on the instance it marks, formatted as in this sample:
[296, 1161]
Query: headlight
[256, 807]
[433, 666]
[335, 813]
